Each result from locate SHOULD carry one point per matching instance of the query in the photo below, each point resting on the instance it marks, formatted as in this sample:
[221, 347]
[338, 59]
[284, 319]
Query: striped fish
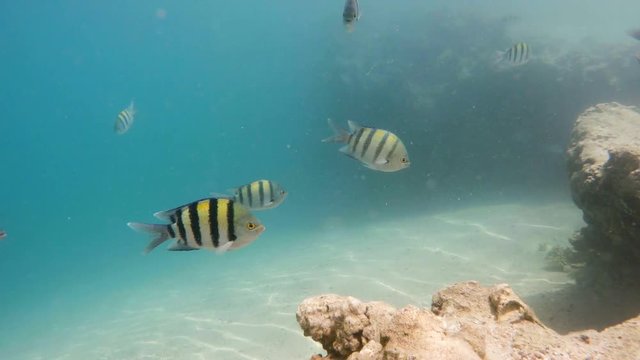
[218, 224]
[260, 194]
[125, 119]
[376, 149]
[351, 12]
[518, 54]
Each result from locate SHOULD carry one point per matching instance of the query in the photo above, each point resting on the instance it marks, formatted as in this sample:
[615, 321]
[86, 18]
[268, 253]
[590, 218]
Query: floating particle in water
[161, 13]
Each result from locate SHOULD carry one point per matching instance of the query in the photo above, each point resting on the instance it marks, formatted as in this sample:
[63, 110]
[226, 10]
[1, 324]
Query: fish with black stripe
[376, 149]
[518, 54]
[212, 223]
[125, 119]
[260, 194]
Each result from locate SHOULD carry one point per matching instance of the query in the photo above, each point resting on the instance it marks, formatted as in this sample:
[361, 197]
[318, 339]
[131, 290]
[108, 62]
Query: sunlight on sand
[249, 313]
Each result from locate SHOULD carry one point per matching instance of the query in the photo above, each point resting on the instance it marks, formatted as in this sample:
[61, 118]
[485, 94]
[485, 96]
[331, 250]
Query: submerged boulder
[604, 171]
[466, 321]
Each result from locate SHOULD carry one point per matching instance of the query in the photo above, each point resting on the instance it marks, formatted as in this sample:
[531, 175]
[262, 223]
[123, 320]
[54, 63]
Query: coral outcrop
[466, 321]
[604, 170]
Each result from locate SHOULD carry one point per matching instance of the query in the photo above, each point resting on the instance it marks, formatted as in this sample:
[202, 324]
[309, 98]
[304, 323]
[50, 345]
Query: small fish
[518, 54]
[218, 224]
[260, 194]
[376, 149]
[125, 119]
[3, 234]
[635, 33]
[351, 13]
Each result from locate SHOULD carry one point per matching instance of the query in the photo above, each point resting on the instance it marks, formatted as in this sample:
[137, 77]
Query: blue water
[229, 92]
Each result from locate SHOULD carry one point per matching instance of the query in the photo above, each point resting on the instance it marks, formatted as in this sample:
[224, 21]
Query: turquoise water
[230, 92]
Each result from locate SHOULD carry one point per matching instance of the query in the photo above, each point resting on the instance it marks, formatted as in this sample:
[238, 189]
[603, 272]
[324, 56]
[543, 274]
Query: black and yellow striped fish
[518, 54]
[125, 119]
[260, 194]
[376, 149]
[218, 224]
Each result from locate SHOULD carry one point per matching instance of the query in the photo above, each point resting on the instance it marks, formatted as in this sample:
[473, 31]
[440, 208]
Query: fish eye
[404, 160]
[251, 226]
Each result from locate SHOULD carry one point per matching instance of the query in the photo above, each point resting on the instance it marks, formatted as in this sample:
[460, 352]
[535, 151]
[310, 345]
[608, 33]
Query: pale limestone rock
[466, 321]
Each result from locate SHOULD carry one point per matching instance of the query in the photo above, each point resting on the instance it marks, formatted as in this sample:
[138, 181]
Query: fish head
[248, 227]
[399, 159]
[350, 13]
[279, 192]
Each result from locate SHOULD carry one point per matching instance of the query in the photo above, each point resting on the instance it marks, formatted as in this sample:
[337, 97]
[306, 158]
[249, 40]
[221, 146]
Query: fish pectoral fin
[180, 247]
[381, 161]
[223, 248]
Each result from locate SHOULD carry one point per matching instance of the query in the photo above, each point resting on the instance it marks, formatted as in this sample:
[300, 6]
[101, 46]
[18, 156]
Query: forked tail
[340, 135]
[161, 233]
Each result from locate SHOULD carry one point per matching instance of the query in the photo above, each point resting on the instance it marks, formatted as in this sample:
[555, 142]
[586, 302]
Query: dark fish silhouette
[635, 33]
[351, 13]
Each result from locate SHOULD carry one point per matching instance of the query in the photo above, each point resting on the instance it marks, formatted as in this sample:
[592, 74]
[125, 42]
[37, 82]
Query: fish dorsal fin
[167, 215]
[222, 195]
[353, 126]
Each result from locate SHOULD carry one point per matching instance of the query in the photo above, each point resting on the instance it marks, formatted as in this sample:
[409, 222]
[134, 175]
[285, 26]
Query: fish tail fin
[340, 135]
[160, 233]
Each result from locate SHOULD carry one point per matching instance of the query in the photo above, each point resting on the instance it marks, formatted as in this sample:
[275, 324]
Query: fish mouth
[260, 229]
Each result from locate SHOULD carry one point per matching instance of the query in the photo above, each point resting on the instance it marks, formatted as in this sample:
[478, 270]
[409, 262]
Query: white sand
[248, 311]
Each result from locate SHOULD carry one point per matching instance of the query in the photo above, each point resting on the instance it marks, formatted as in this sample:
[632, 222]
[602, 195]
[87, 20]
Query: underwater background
[231, 92]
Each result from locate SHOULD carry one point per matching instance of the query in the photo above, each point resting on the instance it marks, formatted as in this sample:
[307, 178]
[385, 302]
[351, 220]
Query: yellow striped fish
[260, 194]
[218, 224]
[125, 119]
[518, 54]
[376, 149]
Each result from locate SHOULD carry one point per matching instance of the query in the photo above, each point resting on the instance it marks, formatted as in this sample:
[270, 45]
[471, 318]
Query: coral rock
[466, 321]
[604, 170]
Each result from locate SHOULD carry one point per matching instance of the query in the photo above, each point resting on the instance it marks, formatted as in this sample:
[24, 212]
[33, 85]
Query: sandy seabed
[249, 313]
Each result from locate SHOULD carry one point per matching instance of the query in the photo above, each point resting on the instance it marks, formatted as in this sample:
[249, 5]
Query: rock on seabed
[466, 321]
[604, 171]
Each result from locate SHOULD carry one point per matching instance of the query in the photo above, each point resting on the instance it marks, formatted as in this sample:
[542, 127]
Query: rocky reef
[466, 321]
[604, 171]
